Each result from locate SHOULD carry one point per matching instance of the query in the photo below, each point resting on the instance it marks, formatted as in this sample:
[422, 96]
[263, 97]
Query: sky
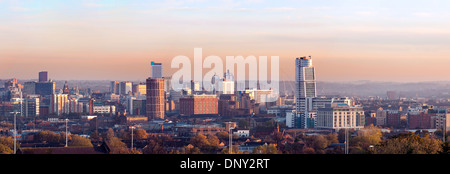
[349, 40]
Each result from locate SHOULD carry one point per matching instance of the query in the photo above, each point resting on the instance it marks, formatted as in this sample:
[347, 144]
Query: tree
[190, 149]
[366, 138]
[243, 124]
[308, 150]
[5, 149]
[293, 148]
[265, 149]
[445, 148]
[80, 141]
[200, 141]
[206, 144]
[115, 142]
[223, 135]
[409, 144]
[117, 146]
[140, 134]
[332, 138]
[154, 147]
[109, 134]
[6, 145]
[213, 142]
[317, 142]
[49, 137]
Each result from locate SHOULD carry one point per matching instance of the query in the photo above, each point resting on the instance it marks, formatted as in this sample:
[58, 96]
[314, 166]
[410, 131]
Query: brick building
[199, 104]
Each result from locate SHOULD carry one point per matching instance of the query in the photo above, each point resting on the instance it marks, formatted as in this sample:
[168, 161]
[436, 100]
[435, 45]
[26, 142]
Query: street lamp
[230, 138]
[15, 130]
[66, 132]
[132, 127]
[371, 148]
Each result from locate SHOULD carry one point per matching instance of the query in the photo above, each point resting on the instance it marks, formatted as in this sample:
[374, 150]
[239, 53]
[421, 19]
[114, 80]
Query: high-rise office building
[125, 88]
[305, 78]
[29, 88]
[139, 89]
[45, 88]
[31, 107]
[155, 98]
[156, 70]
[305, 81]
[43, 76]
[114, 89]
[59, 104]
[228, 83]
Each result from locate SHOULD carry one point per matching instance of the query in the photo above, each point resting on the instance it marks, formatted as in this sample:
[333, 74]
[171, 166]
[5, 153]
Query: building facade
[340, 116]
[305, 82]
[156, 70]
[43, 76]
[155, 108]
[199, 104]
[59, 104]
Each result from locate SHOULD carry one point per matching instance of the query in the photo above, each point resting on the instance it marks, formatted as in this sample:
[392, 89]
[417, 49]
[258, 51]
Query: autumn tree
[223, 135]
[366, 138]
[109, 134]
[332, 138]
[49, 137]
[80, 141]
[293, 148]
[6, 145]
[317, 142]
[117, 146]
[154, 147]
[190, 149]
[140, 134]
[409, 144]
[265, 149]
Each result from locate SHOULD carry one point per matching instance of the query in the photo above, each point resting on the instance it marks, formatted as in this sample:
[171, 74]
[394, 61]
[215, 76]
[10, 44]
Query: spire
[66, 88]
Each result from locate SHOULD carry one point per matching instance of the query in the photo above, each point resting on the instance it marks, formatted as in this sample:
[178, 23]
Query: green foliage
[243, 123]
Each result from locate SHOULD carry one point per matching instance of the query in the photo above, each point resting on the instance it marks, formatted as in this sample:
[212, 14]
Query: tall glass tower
[305, 82]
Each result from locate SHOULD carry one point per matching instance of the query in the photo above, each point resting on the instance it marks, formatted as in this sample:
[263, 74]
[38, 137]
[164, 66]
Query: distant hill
[349, 89]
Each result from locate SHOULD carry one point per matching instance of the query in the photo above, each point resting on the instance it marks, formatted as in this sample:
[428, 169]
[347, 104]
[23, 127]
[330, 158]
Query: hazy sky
[380, 40]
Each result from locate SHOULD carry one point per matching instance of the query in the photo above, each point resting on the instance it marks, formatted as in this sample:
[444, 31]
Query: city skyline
[350, 40]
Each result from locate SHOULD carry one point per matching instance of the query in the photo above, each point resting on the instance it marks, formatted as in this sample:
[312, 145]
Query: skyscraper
[155, 98]
[156, 70]
[305, 78]
[43, 76]
[125, 88]
[228, 83]
[114, 89]
[305, 82]
[45, 88]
